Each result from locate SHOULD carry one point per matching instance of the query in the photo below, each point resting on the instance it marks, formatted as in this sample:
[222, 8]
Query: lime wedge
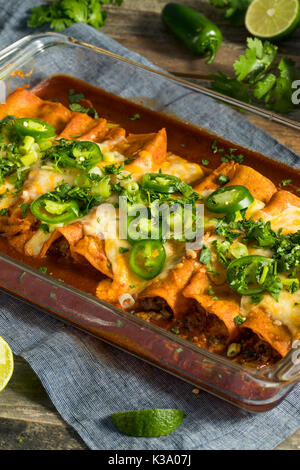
[6, 363]
[148, 423]
[272, 19]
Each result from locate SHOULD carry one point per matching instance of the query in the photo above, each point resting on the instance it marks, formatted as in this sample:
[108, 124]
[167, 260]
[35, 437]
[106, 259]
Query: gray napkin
[86, 379]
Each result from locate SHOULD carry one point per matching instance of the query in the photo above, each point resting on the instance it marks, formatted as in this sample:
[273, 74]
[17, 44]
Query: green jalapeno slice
[163, 183]
[54, 212]
[34, 127]
[229, 199]
[147, 258]
[250, 275]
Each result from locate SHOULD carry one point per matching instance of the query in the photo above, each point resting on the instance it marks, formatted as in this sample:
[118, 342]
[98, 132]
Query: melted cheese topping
[284, 312]
[9, 199]
[255, 207]
[34, 246]
[41, 181]
[186, 171]
[288, 220]
[108, 145]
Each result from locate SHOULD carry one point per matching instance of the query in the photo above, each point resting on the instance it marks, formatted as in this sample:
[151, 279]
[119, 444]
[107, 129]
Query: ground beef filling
[60, 247]
[209, 332]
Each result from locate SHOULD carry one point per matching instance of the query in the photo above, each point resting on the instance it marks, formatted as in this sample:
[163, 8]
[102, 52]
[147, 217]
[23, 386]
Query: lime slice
[6, 363]
[148, 423]
[272, 19]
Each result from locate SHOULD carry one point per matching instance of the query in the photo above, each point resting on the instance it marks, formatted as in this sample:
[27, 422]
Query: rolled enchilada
[237, 293]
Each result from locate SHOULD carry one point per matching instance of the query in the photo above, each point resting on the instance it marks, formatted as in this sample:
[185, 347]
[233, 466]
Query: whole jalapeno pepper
[197, 33]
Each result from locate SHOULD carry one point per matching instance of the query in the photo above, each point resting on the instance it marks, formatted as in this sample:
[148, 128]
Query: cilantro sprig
[61, 14]
[235, 10]
[260, 77]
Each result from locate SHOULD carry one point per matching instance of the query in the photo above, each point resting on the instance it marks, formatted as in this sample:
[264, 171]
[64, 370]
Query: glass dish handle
[288, 369]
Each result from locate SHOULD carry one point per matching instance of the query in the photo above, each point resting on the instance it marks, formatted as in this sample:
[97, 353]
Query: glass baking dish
[250, 389]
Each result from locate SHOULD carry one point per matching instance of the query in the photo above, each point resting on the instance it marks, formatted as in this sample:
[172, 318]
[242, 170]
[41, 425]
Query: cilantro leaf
[205, 256]
[264, 86]
[230, 86]
[61, 14]
[24, 208]
[260, 78]
[257, 59]
[76, 10]
[275, 288]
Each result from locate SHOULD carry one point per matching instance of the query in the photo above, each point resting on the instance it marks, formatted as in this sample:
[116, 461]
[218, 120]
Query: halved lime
[148, 423]
[6, 363]
[272, 19]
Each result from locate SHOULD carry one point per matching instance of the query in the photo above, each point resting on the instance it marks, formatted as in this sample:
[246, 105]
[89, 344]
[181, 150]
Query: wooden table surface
[28, 419]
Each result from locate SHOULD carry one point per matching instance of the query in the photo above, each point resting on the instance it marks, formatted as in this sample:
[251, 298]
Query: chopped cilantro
[75, 97]
[256, 299]
[3, 212]
[239, 320]
[275, 288]
[135, 117]
[123, 249]
[285, 182]
[205, 162]
[42, 269]
[24, 208]
[45, 228]
[223, 179]
[77, 108]
[205, 256]
[175, 330]
[215, 148]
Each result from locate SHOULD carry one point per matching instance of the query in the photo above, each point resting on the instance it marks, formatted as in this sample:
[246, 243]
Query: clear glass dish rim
[45, 40]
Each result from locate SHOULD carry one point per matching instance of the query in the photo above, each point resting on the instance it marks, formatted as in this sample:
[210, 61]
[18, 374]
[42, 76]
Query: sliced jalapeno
[54, 212]
[229, 199]
[251, 274]
[83, 155]
[147, 258]
[87, 154]
[163, 183]
[34, 127]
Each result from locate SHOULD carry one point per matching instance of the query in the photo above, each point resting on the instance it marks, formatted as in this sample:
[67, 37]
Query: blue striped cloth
[86, 379]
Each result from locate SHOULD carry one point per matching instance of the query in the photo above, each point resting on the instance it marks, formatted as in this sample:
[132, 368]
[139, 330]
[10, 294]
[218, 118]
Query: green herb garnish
[135, 117]
[61, 14]
[260, 78]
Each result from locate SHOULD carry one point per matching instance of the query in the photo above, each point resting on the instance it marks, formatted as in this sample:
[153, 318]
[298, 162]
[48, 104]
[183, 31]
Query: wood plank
[22, 435]
[291, 443]
[25, 399]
